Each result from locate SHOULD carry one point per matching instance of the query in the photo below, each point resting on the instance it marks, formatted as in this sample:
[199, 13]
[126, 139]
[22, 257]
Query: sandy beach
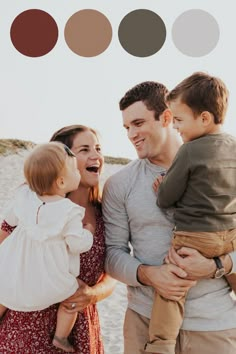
[111, 309]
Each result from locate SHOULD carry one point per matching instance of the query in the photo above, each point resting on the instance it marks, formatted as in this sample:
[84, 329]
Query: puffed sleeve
[10, 214]
[77, 238]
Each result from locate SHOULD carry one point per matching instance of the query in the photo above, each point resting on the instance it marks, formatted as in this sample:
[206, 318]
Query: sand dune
[111, 309]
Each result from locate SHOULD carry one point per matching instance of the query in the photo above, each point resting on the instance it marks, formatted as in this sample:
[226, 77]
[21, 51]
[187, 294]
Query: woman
[32, 332]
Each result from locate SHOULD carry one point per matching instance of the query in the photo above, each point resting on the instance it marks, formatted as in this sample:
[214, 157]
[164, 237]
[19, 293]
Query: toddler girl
[40, 259]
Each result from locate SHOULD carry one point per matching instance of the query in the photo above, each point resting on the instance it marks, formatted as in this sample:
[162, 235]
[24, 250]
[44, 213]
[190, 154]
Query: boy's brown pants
[167, 315]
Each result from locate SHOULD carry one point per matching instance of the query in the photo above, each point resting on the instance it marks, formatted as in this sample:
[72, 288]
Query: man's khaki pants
[213, 342]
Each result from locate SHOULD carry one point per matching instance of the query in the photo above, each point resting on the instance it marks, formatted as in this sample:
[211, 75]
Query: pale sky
[41, 95]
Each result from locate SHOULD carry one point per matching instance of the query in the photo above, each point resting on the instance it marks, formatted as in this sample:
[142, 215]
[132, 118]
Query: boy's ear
[166, 117]
[207, 118]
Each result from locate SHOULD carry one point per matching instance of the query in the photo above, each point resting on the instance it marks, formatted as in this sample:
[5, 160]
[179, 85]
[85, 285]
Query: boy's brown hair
[43, 166]
[202, 92]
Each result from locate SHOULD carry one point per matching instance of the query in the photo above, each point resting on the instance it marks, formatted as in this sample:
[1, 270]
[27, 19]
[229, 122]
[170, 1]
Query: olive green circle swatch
[34, 33]
[195, 33]
[142, 33]
[88, 33]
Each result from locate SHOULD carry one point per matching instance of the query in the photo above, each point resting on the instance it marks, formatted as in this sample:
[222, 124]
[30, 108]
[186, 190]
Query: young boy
[201, 186]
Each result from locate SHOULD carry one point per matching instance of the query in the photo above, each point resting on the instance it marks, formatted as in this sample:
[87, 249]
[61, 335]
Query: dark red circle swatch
[34, 33]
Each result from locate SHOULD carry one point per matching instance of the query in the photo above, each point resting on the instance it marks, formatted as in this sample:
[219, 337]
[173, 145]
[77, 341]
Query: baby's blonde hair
[43, 166]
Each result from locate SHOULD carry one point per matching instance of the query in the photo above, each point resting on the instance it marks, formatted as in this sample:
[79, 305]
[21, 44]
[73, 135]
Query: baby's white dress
[40, 259]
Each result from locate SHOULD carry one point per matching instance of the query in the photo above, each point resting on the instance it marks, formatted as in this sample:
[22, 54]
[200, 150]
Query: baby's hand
[89, 227]
[157, 182]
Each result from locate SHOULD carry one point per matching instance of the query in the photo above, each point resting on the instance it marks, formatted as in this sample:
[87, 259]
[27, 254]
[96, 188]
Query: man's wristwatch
[220, 270]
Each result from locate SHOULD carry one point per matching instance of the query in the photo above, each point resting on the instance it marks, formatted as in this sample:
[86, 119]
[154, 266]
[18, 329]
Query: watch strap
[220, 270]
[218, 262]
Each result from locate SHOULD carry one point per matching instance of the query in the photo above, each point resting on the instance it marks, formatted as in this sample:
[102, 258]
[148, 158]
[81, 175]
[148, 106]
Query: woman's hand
[87, 295]
[192, 262]
[84, 296]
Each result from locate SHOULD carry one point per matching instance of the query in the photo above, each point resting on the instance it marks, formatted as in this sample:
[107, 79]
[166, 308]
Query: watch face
[220, 273]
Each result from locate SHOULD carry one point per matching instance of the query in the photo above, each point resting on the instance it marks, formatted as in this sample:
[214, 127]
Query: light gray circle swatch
[195, 33]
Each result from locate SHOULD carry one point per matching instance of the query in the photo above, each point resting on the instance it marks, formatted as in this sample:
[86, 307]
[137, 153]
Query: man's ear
[207, 118]
[166, 118]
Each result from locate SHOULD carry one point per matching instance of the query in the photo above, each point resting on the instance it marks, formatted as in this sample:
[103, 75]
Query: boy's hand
[157, 182]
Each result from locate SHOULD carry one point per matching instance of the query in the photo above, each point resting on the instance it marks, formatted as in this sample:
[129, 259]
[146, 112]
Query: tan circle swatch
[34, 33]
[88, 33]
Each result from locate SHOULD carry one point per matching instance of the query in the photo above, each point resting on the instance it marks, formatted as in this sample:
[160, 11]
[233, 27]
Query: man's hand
[194, 263]
[167, 279]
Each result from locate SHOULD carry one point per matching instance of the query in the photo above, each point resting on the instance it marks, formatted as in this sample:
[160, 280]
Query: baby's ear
[60, 182]
[166, 117]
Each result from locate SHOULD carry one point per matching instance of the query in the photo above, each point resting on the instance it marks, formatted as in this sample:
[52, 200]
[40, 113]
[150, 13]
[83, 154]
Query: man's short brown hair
[151, 93]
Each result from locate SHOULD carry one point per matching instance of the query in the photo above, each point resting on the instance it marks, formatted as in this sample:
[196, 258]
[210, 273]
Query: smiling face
[90, 160]
[188, 125]
[145, 132]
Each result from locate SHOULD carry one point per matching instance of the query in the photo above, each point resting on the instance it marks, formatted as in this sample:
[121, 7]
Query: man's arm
[119, 262]
[166, 279]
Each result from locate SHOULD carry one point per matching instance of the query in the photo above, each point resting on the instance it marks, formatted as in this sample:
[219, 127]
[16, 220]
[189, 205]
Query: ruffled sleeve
[9, 215]
[77, 238]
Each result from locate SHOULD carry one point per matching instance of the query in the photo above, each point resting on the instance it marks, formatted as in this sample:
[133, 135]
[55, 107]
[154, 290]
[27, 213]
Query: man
[133, 219]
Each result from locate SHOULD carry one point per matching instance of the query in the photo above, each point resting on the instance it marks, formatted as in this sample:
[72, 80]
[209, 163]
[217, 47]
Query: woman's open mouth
[93, 169]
